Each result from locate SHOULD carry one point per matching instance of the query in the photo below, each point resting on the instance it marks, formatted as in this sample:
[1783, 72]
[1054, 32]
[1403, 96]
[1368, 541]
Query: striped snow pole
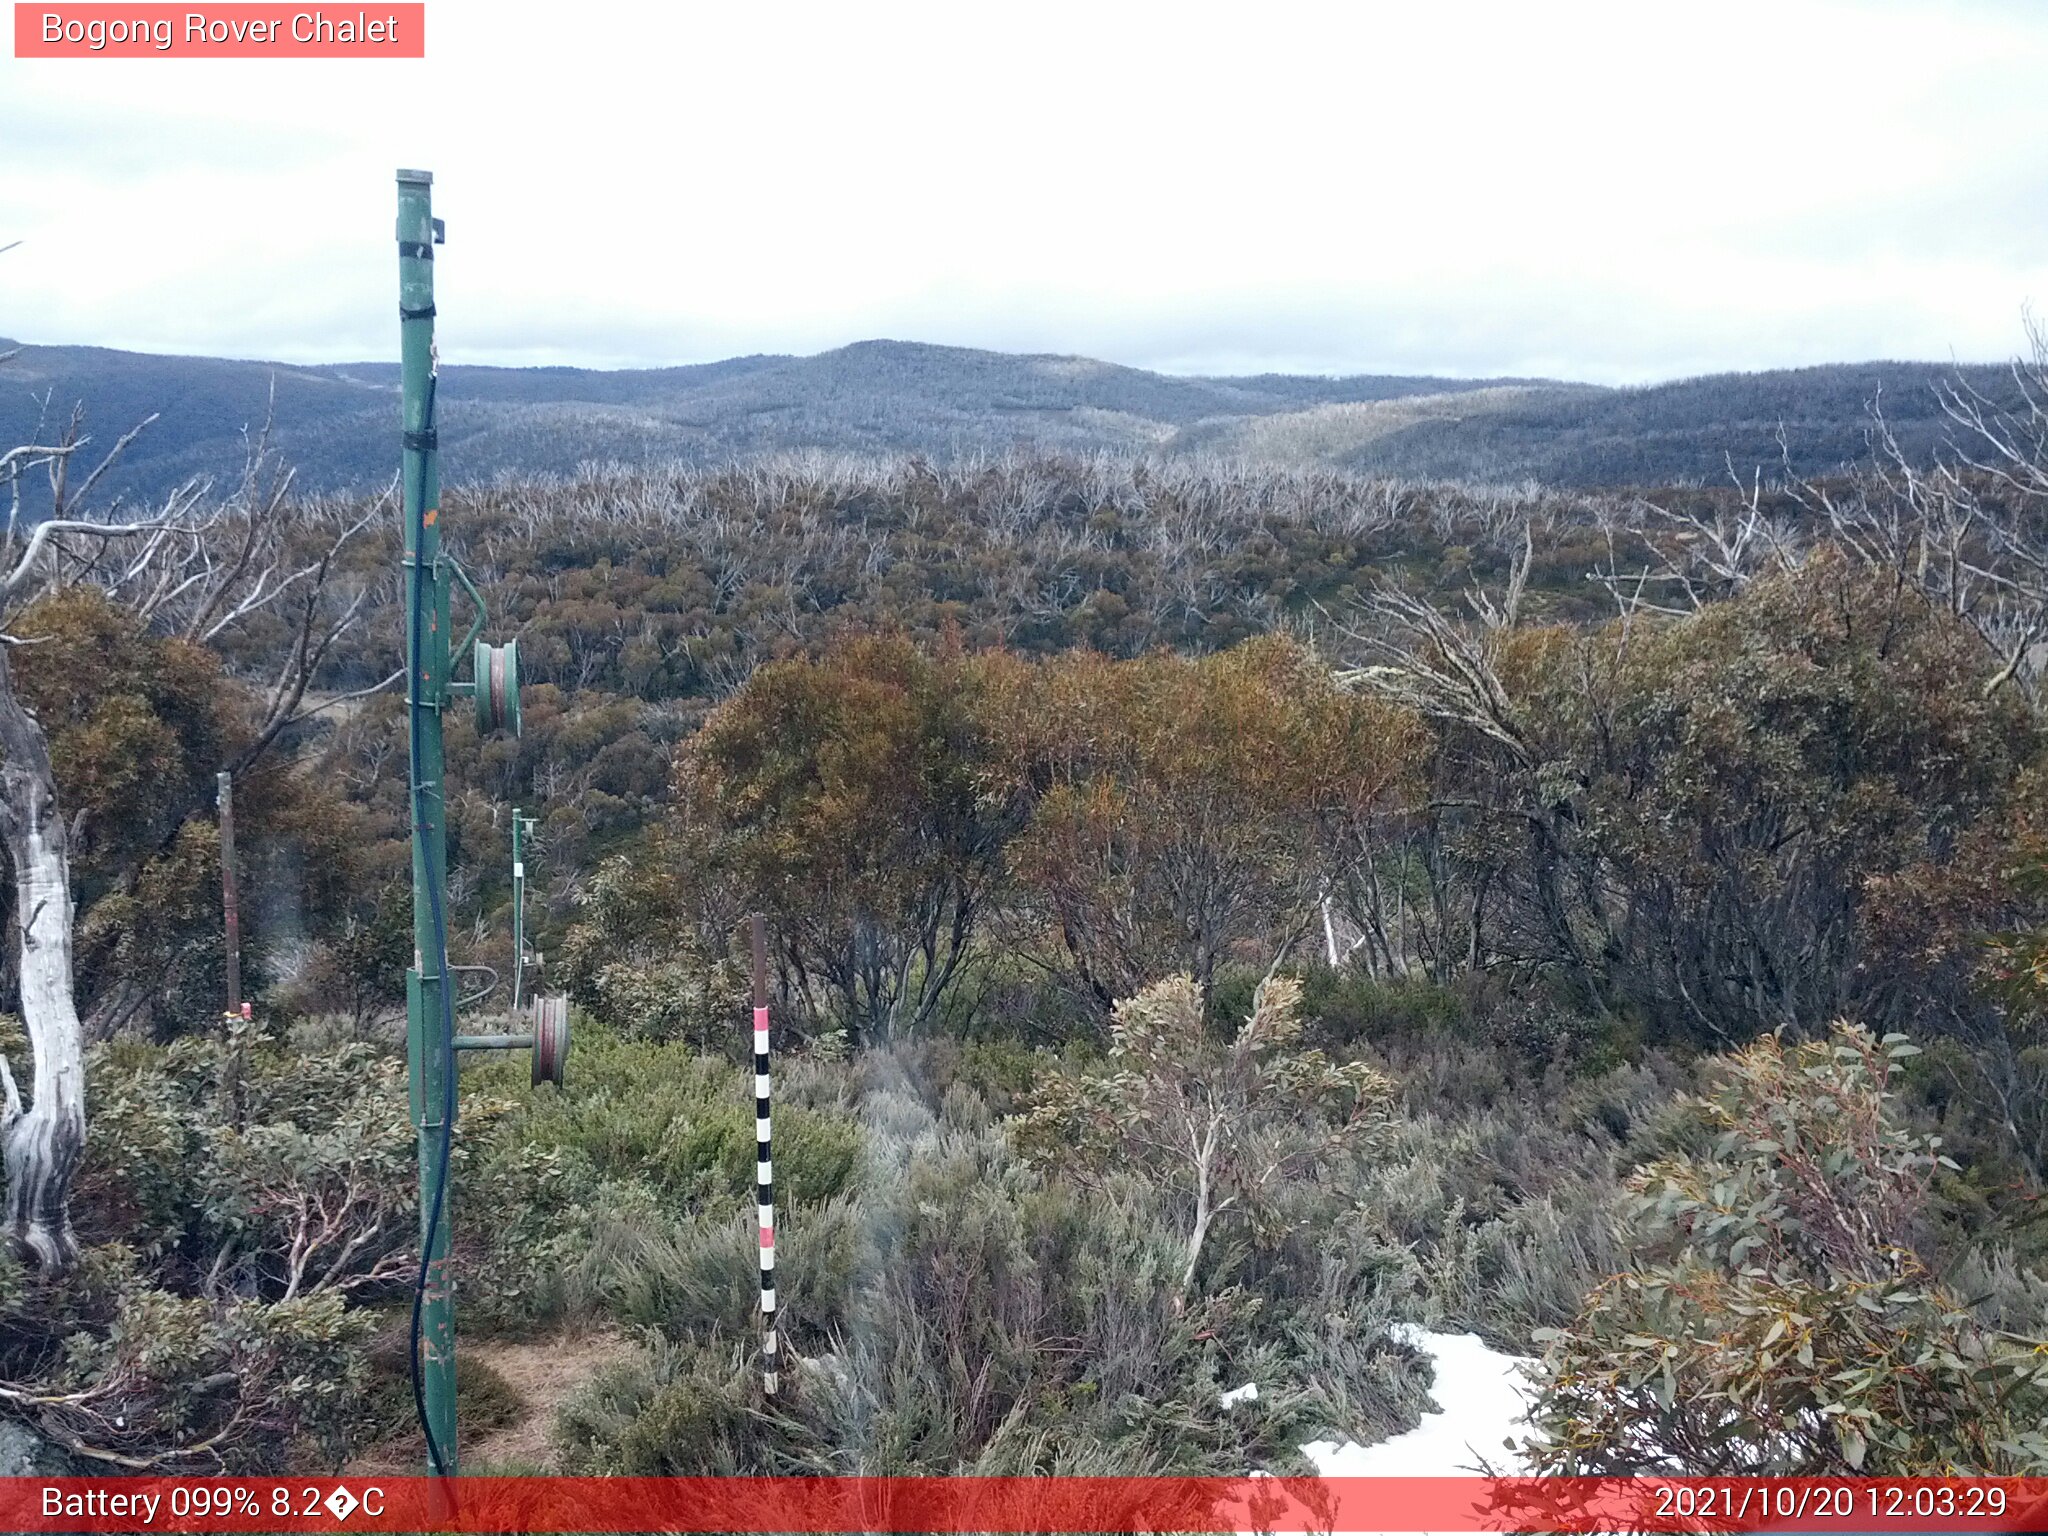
[764, 1167]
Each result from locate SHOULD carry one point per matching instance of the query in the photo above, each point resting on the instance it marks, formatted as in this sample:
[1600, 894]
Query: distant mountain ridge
[338, 423]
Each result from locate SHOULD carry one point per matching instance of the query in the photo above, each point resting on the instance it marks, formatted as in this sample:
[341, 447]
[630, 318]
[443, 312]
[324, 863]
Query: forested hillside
[335, 423]
[1501, 878]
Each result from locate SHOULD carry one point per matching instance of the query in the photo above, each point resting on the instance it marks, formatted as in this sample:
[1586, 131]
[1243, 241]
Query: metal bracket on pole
[476, 626]
[494, 678]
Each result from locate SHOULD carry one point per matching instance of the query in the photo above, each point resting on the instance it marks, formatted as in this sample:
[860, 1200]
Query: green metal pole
[518, 907]
[427, 677]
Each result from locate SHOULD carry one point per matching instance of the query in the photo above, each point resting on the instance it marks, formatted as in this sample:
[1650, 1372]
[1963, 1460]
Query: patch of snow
[1482, 1399]
[1248, 1393]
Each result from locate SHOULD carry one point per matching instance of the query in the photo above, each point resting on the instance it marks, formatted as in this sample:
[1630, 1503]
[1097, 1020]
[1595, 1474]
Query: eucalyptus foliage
[1780, 1318]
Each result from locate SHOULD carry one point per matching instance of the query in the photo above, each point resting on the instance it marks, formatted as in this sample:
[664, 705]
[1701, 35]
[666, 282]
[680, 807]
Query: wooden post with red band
[764, 1167]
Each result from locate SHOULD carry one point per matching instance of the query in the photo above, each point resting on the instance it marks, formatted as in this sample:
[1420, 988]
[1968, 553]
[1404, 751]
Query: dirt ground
[543, 1374]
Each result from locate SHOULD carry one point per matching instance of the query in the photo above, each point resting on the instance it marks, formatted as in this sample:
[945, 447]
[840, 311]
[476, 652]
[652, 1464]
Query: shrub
[1780, 1320]
[653, 1113]
[264, 1186]
[484, 1399]
[1001, 1073]
[183, 1383]
[246, 1161]
[957, 1311]
[322, 1201]
[1182, 806]
[1220, 1126]
[634, 958]
[850, 795]
[1351, 1007]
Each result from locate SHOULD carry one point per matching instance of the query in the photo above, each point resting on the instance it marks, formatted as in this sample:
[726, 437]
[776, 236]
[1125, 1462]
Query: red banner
[100, 31]
[1021, 1504]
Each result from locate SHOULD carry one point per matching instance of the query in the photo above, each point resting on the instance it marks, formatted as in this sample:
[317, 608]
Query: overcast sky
[1612, 193]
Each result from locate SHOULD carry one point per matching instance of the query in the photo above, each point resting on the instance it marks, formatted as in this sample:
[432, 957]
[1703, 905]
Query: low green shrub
[127, 1369]
[484, 1399]
[681, 1123]
[1352, 1009]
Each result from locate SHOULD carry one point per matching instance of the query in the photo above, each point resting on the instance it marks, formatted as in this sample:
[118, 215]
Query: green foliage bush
[138, 724]
[182, 1382]
[1780, 1319]
[657, 1114]
[998, 1073]
[247, 1204]
[633, 956]
[241, 1160]
[484, 1399]
[1693, 819]
[1181, 808]
[851, 796]
[1348, 1009]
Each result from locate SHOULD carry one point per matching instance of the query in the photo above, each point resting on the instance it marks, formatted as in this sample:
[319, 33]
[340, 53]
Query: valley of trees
[1216, 912]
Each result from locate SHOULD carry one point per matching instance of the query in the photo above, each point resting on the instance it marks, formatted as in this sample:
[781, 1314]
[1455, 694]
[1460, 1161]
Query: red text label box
[104, 31]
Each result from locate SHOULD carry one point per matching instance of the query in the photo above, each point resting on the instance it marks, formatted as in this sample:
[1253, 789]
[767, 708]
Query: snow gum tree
[187, 569]
[44, 1139]
[1183, 807]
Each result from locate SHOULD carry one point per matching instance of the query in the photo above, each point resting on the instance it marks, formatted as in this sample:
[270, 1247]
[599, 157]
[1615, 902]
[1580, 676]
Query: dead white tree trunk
[177, 579]
[44, 1141]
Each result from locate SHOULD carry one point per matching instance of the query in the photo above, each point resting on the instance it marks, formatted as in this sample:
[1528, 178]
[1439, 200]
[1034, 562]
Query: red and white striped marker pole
[764, 1167]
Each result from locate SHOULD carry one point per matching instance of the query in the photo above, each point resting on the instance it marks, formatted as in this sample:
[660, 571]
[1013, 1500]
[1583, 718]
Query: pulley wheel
[550, 1039]
[497, 687]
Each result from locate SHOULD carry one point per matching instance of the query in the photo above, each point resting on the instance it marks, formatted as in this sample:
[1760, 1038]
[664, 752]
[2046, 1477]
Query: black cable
[436, 1460]
[482, 992]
